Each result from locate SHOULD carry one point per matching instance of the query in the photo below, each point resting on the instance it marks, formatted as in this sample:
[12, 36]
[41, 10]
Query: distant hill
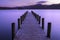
[9, 8]
[37, 6]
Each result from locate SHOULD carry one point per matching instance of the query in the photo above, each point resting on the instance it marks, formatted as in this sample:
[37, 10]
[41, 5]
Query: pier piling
[18, 23]
[13, 30]
[42, 23]
[39, 19]
[49, 30]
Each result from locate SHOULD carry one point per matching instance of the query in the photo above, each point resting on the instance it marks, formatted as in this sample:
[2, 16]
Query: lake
[9, 16]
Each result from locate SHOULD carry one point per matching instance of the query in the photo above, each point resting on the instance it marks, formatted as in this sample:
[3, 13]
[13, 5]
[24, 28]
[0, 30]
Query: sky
[49, 2]
[14, 3]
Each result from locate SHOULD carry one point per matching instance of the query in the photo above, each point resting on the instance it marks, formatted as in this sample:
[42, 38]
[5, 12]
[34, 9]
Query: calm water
[9, 16]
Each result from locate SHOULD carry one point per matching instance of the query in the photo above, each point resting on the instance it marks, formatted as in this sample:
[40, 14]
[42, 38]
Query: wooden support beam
[49, 30]
[39, 19]
[42, 23]
[19, 23]
[13, 30]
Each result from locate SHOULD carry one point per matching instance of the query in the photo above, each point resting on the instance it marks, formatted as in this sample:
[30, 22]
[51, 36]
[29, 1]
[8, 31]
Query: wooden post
[18, 23]
[42, 23]
[21, 19]
[35, 15]
[13, 31]
[49, 30]
[39, 19]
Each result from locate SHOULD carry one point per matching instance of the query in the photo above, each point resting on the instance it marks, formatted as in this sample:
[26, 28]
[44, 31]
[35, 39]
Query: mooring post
[49, 30]
[42, 23]
[36, 16]
[13, 30]
[18, 23]
[21, 19]
[39, 19]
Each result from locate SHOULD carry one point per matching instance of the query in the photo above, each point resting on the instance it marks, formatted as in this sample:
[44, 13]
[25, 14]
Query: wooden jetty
[29, 28]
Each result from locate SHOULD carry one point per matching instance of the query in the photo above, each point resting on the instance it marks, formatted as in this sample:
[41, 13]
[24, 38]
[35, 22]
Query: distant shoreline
[37, 6]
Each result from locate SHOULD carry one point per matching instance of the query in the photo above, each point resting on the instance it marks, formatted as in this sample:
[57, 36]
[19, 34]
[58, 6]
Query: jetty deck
[30, 29]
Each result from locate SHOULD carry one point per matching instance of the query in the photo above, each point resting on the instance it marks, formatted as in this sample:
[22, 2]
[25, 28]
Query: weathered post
[39, 19]
[13, 30]
[18, 23]
[21, 19]
[49, 30]
[42, 23]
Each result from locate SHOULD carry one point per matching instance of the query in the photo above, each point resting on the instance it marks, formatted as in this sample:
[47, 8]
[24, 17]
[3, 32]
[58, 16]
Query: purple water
[6, 18]
[9, 16]
[52, 16]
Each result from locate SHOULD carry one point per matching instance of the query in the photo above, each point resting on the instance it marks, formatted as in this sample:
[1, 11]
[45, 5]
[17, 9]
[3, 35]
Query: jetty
[29, 28]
